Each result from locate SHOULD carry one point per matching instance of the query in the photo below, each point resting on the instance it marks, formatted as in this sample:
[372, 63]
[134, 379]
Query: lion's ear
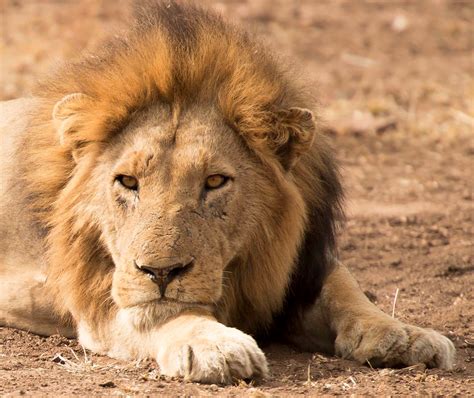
[70, 118]
[294, 134]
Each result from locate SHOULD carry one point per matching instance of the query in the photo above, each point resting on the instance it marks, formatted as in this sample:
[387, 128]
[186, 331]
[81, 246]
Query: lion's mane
[178, 54]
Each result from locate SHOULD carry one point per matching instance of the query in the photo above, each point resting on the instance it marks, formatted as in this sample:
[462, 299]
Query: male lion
[170, 196]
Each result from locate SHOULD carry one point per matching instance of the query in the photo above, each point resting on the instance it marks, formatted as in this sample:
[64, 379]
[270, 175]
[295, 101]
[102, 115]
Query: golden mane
[180, 55]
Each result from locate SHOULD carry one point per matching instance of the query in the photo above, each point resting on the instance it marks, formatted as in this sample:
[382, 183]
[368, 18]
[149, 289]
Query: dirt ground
[396, 90]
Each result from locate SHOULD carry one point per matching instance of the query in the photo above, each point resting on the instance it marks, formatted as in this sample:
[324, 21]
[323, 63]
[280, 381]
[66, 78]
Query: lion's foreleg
[191, 345]
[365, 333]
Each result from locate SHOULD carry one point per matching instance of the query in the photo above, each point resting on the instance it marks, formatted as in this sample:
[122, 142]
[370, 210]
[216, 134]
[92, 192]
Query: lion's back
[15, 116]
[14, 119]
[16, 226]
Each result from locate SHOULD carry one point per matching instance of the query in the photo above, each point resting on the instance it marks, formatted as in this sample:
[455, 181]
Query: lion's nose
[162, 271]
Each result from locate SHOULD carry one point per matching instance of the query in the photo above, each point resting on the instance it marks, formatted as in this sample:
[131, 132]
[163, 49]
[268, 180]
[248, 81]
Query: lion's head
[184, 170]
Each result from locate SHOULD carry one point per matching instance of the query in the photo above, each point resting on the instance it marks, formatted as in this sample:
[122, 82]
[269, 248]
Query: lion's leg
[26, 304]
[363, 332]
[191, 345]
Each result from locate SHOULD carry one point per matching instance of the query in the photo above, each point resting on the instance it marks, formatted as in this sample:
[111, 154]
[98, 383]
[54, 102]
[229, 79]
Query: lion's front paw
[213, 354]
[387, 342]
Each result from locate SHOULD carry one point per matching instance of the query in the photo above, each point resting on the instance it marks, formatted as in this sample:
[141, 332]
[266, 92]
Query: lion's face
[178, 203]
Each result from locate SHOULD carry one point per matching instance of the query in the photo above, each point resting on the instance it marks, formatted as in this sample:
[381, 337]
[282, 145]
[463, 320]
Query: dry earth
[397, 92]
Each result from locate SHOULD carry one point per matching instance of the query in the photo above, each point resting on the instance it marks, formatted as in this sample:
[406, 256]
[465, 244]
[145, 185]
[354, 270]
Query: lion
[171, 196]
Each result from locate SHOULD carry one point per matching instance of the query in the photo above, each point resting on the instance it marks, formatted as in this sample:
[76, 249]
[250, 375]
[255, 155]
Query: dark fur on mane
[318, 252]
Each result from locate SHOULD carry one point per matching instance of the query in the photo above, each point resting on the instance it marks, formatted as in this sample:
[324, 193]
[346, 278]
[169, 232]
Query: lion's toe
[429, 347]
[380, 347]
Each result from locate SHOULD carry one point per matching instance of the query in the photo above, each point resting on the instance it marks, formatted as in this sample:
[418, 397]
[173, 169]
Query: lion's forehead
[192, 144]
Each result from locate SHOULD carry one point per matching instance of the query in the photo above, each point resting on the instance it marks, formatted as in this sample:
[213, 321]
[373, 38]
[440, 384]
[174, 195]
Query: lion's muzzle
[163, 271]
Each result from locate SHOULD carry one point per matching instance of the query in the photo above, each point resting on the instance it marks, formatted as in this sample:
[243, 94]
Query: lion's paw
[390, 343]
[216, 354]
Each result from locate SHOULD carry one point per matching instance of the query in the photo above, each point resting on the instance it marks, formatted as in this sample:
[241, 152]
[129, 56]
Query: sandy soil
[396, 90]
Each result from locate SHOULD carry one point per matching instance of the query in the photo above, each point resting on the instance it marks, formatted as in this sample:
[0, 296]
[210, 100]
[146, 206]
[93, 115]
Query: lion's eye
[128, 182]
[216, 181]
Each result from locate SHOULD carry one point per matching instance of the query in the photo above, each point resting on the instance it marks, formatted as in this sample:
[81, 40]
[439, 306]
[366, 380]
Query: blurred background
[395, 86]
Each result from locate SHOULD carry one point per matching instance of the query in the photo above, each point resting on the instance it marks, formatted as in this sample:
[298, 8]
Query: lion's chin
[147, 315]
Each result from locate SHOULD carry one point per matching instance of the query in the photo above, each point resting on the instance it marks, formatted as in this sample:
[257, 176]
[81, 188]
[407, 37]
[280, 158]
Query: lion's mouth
[163, 301]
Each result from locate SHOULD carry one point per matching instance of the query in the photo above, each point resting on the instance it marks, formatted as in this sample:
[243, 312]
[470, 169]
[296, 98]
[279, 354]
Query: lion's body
[184, 98]
[24, 301]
